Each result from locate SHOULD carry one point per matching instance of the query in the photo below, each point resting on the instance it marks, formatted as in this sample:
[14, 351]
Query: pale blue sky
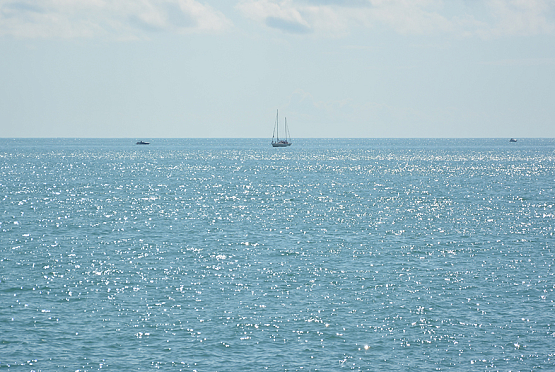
[221, 68]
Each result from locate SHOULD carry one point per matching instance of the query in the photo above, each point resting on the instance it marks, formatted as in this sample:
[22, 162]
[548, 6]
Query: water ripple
[200, 255]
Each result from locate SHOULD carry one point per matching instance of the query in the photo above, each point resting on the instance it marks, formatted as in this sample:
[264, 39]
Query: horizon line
[266, 138]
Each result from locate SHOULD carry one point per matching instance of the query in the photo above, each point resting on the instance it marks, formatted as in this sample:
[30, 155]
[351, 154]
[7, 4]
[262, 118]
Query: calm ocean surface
[231, 255]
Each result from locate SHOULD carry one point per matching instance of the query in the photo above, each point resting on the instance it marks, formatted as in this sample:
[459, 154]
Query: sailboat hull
[280, 144]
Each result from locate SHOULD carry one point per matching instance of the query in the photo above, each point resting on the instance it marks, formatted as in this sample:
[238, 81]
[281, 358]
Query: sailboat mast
[277, 125]
[274, 132]
[286, 131]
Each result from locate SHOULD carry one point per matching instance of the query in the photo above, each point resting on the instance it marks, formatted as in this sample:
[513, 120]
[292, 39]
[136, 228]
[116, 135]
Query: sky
[221, 68]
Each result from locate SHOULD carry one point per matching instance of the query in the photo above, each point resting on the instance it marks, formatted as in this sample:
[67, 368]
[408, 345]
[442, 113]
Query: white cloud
[329, 18]
[283, 15]
[521, 17]
[489, 18]
[109, 18]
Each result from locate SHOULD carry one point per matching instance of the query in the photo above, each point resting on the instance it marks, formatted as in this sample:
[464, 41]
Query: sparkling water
[231, 255]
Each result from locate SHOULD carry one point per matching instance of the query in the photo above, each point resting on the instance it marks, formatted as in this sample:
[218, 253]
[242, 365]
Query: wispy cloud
[328, 18]
[119, 19]
[280, 15]
[529, 62]
[488, 18]
[521, 17]
[287, 25]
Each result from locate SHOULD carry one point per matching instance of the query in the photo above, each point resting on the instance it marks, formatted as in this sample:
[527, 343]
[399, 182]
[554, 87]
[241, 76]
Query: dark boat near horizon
[143, 143]
[512, 140]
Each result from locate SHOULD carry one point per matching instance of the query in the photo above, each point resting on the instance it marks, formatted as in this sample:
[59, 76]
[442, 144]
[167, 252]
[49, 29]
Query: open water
[231, 255]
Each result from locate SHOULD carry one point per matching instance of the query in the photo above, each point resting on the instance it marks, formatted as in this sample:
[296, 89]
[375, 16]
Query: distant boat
[512, 140]
[143, 143]
[276, 142]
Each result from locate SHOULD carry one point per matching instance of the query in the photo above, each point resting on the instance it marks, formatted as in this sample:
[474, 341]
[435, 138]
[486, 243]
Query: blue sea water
[231, 255]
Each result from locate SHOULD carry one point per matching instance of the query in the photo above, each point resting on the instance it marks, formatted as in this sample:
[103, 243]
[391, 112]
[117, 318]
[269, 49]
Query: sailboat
[276, 142]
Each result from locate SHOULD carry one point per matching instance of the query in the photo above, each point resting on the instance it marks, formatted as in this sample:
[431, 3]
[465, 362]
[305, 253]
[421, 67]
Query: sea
[231, 255]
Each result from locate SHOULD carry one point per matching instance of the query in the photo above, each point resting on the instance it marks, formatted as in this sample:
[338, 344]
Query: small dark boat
[143, 143]
[512, 140]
